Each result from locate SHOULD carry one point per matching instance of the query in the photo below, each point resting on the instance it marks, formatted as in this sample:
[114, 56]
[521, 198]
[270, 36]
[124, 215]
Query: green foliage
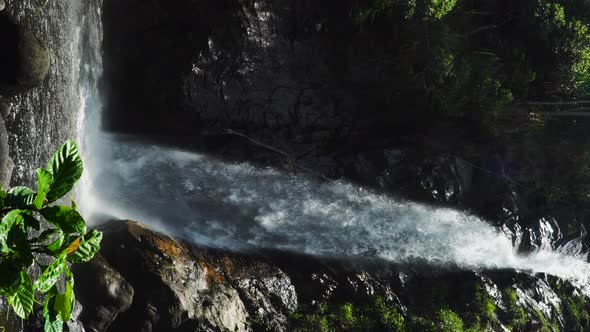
[374, 9]
[376, 315]
[388, 316]
[419, 9]
[66, 168]
[346, 315]
[576, 308]
[483, 308]
[449, 321]
[421, 324]
[311, 319]
[516, 314]
[444, 320]
[577, 313]
[65, 239]
[439, 8]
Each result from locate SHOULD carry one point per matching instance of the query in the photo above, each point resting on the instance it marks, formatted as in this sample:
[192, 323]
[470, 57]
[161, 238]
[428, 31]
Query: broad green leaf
[7, 222]
[65, 218]
[53, 322]
[89, 246]
[20, 196]
[44, 182]
[51, 275]
[54, 246]
[66, 167]
[22, 298]
[64, 303]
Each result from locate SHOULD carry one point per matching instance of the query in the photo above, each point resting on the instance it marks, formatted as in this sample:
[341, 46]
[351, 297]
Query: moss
[449, 321]
[311, 319]
[388, 316]
[517, 317]
[440, 8]
[546, 324]
[346, 316]
[575, 310]
[445, 320]
[476, 329]
[376, 315]
[421, 324]
[484, 309]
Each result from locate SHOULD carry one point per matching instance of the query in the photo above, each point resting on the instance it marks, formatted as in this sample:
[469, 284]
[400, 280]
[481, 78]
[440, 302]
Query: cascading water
[241, 207]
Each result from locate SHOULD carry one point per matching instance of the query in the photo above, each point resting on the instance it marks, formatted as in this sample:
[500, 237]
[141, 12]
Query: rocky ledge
[147, 281]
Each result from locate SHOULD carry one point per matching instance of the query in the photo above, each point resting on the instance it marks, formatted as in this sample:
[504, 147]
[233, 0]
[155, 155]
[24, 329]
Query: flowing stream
[241, 207]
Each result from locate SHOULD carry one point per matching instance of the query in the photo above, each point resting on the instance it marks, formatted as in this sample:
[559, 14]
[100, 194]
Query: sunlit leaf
[66, 168]
[65, 218]
[21, 300]
[7, 222]
[51, 275]
[89, 246]
[64, 303]
[20, 197]
[44, 182]
[53, 322]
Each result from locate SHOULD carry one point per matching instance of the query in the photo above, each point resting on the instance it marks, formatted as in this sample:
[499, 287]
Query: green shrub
[64, 239]
[375, 315]
[388, 316]
[516, 314]
[449, 321]
[484, 305]
[346, 315]
[421, 324]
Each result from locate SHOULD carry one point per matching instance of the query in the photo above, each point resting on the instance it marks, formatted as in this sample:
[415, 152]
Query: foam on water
[241, 207]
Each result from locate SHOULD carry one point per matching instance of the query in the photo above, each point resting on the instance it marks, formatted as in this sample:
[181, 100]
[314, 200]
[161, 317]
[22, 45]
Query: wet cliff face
[43, 117]
[39, 87]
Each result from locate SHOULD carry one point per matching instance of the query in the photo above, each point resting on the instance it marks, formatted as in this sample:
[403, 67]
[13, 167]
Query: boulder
[111, 294]
[5, 108]
[147, 281]
[24, 59]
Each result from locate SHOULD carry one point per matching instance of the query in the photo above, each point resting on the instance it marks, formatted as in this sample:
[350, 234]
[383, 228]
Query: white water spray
[241, 207]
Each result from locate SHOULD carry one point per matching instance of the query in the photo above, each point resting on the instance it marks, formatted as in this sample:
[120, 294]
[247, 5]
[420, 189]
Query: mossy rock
[24, 57]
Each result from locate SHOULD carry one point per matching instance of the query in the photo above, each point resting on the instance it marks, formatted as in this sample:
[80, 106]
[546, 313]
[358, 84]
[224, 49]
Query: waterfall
[241, 207]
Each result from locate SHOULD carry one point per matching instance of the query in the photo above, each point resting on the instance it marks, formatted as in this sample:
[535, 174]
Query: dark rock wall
[296, 68]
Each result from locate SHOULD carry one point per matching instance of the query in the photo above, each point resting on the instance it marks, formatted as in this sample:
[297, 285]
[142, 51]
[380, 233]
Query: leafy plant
[64, 239]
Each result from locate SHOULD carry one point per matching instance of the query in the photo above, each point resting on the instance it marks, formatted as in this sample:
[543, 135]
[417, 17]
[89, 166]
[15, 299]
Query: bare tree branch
[258, 143]
[486, 27]
[290, 159]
